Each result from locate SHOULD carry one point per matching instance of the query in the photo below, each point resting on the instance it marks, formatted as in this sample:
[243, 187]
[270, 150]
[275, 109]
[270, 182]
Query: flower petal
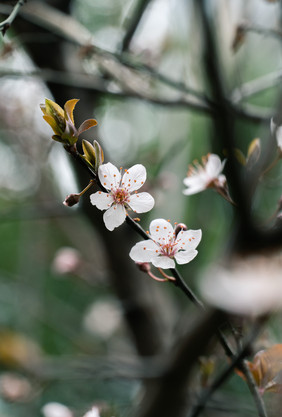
[87, 124]
[144, 251]
[134, 177]
[101, 200]
[69, 107]
[109, 176]
[163, 262]
[194, 187]
[114, 216]
[185, 256]
[188, 239]
[214, 166]
[141, 203]
[161, 230]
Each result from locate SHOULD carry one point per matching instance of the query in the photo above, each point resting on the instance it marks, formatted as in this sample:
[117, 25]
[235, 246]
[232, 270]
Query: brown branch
[166, 396]
[129, 74]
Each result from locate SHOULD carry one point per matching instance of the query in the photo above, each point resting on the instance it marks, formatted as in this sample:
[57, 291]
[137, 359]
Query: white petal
[195, 188]
[101, 200]
[109, 176]
[161, 230]
[188, 239]
[222, 180]
[183, 257]
[144, 251]
[141, 203]
[134, 177]
[114, 216]
[163, 262]
[214, 166]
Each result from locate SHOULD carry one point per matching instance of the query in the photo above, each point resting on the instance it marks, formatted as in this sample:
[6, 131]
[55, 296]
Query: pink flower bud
[144, 266]
[179, 227]
[71, 200]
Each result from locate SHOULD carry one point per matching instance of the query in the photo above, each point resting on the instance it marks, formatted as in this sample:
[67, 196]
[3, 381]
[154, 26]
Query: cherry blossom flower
[165, 246]
[277, 131]
[208, 175]
[119, 197]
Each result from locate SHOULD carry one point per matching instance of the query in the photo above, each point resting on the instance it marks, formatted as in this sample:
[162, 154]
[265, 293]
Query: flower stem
[91, 182]
[167, 277]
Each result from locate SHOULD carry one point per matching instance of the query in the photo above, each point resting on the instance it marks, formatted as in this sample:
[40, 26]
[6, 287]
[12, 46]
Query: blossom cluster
[118, 193]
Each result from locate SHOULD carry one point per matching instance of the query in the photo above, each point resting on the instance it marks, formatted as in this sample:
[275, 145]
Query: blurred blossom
[94, 412]
[205, 175]
[14, 387]
[102, 318]
[54, 409]
[249, 286]
[67, 261]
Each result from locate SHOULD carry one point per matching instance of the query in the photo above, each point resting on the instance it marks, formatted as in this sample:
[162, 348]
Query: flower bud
[71, 200]
[143, 266]
[179, 227]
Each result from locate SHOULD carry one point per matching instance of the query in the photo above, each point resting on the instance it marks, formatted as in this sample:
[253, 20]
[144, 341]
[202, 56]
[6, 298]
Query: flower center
[169, 249]
[121, 196]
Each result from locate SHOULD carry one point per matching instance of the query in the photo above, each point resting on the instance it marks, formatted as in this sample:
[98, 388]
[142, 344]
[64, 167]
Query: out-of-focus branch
[127, 73]
[256, 86]
[134, 22]
[166, 396]
[4, 26]
[260, 30]
[98, 85]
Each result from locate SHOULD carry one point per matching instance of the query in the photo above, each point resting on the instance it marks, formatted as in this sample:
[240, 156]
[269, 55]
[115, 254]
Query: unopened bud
[144, 266]
[71, 200]
[179, 227]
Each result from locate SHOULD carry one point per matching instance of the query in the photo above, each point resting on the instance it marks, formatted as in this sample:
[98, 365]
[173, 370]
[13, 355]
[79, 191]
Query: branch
[129, 74]
[166, 396]
[4, 26]
[256, 86]
[133, 24]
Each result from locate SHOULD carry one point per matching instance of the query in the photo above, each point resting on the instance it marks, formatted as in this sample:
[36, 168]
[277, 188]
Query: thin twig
[4, 26]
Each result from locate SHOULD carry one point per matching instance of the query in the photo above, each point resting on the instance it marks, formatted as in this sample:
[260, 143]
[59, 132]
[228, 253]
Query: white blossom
[121, 193]
[208, 175]
[165, 247]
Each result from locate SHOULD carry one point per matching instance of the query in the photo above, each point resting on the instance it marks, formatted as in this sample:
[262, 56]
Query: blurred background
[79, 324]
